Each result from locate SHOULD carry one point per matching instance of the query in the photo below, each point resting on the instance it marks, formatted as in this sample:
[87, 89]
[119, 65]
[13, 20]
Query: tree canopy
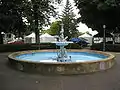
[96, 13]
[69, 21]
[11, 17]
[37, 13]
[54, 28]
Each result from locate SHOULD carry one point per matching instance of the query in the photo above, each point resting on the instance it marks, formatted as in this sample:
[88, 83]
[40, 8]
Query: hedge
[21, 47]
[14, 47]
[108, 47]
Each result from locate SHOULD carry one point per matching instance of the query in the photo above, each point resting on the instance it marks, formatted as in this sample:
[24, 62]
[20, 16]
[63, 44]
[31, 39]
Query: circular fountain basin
[42, 61]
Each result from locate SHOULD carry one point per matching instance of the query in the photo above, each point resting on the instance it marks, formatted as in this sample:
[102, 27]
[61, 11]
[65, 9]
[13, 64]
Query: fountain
[62, 54]
[61, 62]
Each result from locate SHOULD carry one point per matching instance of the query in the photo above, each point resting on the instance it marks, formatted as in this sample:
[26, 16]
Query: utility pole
[104, 38]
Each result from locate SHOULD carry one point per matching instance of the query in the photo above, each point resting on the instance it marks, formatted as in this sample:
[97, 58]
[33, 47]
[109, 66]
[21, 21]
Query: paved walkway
[15, 80]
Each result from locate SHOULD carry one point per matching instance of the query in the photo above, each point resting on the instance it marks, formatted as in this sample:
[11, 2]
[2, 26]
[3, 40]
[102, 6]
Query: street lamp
[104, 39]
[39, 38]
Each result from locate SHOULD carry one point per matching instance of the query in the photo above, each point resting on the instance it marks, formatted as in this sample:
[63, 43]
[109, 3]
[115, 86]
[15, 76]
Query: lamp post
[104, 38]
[39, 39]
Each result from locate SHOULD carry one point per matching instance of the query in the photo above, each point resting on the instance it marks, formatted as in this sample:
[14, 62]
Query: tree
[69, 21]
[54, 28]
[96, 13]
[38, 12]
[11, 17]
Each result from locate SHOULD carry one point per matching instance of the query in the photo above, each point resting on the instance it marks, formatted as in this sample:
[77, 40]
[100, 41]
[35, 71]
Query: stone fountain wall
[62, 68]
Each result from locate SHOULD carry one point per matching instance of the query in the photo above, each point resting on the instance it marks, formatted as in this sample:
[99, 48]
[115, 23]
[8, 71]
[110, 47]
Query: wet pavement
[11, 79]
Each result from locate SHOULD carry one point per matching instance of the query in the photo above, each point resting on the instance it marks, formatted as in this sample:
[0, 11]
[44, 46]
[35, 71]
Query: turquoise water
[75, 56]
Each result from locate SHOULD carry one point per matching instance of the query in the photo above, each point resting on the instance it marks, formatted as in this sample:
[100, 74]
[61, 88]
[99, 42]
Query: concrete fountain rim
[13, 56]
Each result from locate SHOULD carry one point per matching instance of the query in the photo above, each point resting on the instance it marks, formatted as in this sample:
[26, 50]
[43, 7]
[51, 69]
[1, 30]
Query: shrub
[21, 47]
[15, 47]
[108, 47]
[73, 46]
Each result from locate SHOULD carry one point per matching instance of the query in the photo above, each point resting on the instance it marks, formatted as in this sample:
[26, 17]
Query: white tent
[85, 35]
[46, 35]
[88, 37]
[43, 38]
[47, 38]
[30, 38]
[31, 35]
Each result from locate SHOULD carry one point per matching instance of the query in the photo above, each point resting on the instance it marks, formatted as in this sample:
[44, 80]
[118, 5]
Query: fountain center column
[62, 54]
[61, 33]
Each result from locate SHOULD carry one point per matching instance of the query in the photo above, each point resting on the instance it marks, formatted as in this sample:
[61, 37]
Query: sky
[82, 27]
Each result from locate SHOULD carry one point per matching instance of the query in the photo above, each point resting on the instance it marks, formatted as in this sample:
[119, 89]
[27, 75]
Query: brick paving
[11, 79]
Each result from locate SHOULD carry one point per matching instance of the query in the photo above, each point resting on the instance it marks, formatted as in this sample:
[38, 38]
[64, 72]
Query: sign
[102, 65]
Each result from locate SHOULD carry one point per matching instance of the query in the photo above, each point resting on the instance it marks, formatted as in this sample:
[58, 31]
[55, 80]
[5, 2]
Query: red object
[17, 42]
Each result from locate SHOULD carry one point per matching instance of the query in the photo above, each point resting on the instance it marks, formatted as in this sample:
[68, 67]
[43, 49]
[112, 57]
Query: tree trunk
[113, 39]
[37, 32]
[35, 8]
[1, 38]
